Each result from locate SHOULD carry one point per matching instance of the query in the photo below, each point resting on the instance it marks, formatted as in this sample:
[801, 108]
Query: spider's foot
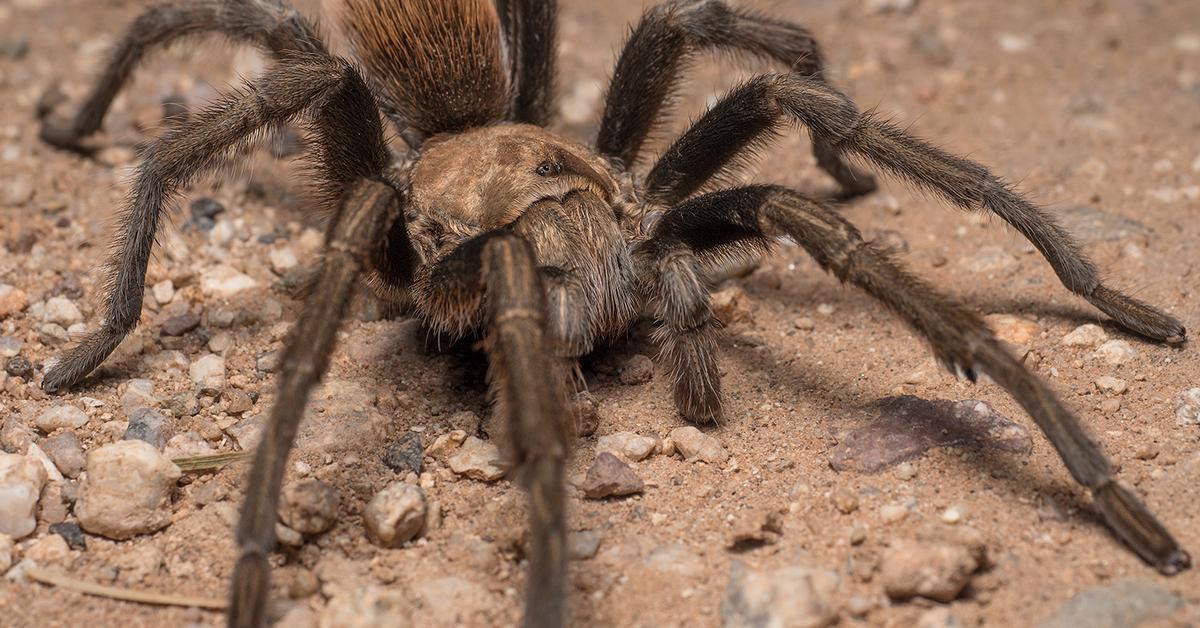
[1138, 317]
[71, 368]
[60, 132]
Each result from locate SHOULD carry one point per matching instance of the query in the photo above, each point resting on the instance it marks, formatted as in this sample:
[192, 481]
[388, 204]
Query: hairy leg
[498, 270]
[530, 32]
[330, 88]
[367, 209]
[660, 48]
[755, 111]
[269, 24]
[958, 337]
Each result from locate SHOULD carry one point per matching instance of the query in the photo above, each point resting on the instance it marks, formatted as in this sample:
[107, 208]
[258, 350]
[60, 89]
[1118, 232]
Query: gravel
[1085, 336]
[223, 282]
[71, 533]
[208, 373]
[309, 506]
[638, 369]
[62, 311]
[127, 490]
[18, 366]
[610, 477]
[395, 515]
[800, 597]
[1116, 352]
[180, 324]
[584, 544]
[61, 417]
[695, 445]
[756, 527]
[138, 393]
[21, 482]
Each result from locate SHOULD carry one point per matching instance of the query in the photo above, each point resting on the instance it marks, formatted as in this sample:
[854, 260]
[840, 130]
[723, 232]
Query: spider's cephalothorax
[545, 248]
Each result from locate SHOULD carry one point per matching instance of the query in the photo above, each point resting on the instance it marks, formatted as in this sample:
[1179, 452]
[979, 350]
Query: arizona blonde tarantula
[493, 227]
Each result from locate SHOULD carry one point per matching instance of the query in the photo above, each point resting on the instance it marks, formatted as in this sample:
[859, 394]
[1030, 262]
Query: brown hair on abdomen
[436, 63]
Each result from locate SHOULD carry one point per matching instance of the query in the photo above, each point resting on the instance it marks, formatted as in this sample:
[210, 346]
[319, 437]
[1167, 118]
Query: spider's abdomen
[437, 64]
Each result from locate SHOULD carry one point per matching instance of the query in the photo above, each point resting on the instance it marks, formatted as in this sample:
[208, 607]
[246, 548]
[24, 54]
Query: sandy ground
[1087, 103]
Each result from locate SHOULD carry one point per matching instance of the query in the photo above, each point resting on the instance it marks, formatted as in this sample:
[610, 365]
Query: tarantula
[490, 225]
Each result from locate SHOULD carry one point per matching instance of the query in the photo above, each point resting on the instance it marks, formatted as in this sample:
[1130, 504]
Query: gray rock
[71, 533]
[65, 451]
[127, 490]
[224, 281]
[208, 373]
[799, 597]
[395, 515]
[180, 324]
[138, 393]
[21, 482]
[610, 477]
[60, 417]
[627, 445]
[405, 455]
[10, 346]
[147, 424]
[584, 544]
[907, 426]
[236, 401]
[309, 506]
[18, 366]
[1093, 225]
[1122, 604]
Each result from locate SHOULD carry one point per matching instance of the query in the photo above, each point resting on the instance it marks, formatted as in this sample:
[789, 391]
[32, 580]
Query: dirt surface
[1091, 105]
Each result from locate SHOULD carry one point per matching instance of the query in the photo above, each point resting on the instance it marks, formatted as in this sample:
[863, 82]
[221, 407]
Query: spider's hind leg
[271, 24]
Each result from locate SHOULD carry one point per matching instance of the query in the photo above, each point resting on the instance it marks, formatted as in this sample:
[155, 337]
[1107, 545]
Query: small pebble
[935, 570]
[892, 513]
[952, 515]
[478, 459]
[6, 552]
[10, 346]
[71, 533]
[65, 451]
[906, 471]
[220, 343]
[638, 369]
[60, 417]
[693, 444]
[150, 426]
[51, 549]
[21, 482]
[804, 324]
[235, 401]
[208, 373]
[282, 260]
[731, 306]
[1187, 410]
[756, 527]
[138, 393]
[405, 455]
[186, 445]
[1116, 352]
[845, 501]
[181, 324]
[446, 444]
[610, 477]
[584, 544]
[791, 596]
[62, 311]
[12, 301]
[628, 445]
[309, 506]
[224, 281]
[1112, 385]
[18, 366]
[395, 515]
[1085, 336]
[164, 291]
[127, 490]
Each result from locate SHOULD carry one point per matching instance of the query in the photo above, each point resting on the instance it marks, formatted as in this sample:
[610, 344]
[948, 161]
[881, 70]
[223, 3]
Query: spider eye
[549, 168]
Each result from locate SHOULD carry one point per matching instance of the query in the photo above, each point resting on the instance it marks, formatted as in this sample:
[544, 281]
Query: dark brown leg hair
[713, 223]
[499, 268]
[367, 209]
[757, 109]
[351, 142]
[270, 24]
[660, 48]
[531, 30]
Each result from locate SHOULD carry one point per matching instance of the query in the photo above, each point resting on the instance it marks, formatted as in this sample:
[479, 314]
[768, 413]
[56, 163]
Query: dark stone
[71, 533]
[609, 476]
[908, 426]
[405, 454]
[147, 424]
[14, 48]
[19, 366]
[205, 207]
[181, 324]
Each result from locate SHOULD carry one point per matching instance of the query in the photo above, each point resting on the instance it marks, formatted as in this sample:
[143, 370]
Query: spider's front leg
[367, 208]
[270, 24]
[716, 224]
[754, 112]
[499, 270]
[326, 85]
